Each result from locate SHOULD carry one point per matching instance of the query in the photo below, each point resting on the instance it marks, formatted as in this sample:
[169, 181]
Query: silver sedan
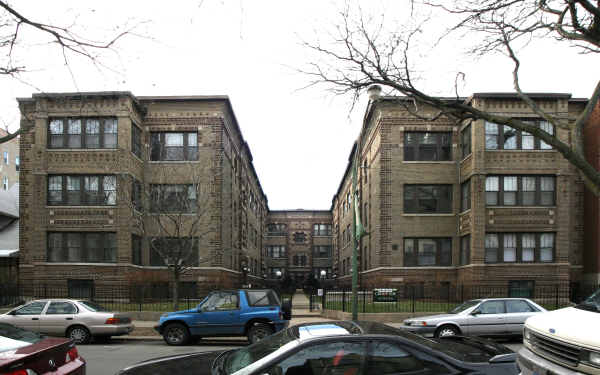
[494, 317]
[76, 319]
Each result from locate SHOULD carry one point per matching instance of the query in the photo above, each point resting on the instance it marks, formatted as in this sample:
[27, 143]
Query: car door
[488, 319]
[323, 358]
[57, 317]
[218, 315]
[28, 316]
[517, 311]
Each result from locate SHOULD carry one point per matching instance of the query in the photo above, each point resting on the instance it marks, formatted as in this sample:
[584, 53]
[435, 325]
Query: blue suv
[255, 313]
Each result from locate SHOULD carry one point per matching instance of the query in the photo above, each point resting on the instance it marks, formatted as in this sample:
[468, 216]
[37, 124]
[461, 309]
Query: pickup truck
[564, 341]
[255, 313]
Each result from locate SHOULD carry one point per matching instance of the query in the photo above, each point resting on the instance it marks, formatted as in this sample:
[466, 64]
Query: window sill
[467, 211]
[429, 162]
[81, 263]
[83, 149]
[80, 207]
[440, 214]
[521, 264]
[535, 150]
[526, 207]
[173, 161]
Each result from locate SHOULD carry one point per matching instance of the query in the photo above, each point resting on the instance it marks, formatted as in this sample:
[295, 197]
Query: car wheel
[447, 331]
[79, 334]
[176, 334]
[258, 332]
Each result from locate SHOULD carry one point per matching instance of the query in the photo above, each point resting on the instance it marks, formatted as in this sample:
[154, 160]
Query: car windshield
[243, 357]
[463, 306]
[93, 306]
[592, 303]
[12, 337]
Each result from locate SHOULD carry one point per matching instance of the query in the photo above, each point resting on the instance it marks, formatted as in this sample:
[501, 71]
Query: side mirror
[475, 312]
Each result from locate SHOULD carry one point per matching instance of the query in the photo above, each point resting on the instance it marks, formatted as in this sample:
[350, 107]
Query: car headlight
[526, 334]
[419, 323]
[595, 358]
[164, 315]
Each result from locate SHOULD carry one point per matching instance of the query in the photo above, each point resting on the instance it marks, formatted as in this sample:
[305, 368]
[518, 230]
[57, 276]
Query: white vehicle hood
[576, 326]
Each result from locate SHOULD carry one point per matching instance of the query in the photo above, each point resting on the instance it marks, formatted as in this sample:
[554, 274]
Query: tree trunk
[176, 276]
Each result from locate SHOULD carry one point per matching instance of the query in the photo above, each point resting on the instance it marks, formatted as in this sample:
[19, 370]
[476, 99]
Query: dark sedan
[24, 352]
[342, 348]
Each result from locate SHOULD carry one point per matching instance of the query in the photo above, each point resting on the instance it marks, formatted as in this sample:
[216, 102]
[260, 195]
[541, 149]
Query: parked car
[24, 352]
[255, 313]
[494, 317]
[76, 319]
[344, 348]
[564, 341]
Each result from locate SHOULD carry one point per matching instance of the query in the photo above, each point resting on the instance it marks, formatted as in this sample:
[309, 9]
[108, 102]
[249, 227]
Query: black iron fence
[435, 298]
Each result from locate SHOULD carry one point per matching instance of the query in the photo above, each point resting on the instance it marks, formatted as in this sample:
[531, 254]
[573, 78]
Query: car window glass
[258, 298]
[61, 308]
[34, 308]
[221, 301]
[386, 359]
[20, 335]
[335, 358]
[517, 306]
[492, 307]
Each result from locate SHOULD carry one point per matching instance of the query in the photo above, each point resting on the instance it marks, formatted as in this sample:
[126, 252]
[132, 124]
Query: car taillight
[72, 354]
[112, 321]
[20, 372]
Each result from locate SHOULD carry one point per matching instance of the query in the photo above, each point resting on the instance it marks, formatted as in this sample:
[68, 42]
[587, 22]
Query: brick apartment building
[462, 204]
[591, 261]
[87, 148]
[443, 203]
[9, 162]
[299, 243]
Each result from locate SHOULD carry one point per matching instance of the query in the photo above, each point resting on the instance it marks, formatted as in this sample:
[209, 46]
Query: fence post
[556, 304]
[413, 298]
[364, 301]
[344, 300]
[323, 300]
[462, 293]
[310, 301]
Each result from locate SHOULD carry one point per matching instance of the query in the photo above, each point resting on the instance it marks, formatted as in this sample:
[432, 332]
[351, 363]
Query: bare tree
[173, 216]
[15, 27]
[363, 53]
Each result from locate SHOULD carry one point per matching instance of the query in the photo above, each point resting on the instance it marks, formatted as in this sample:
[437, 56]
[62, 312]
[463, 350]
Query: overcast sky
[251, 51]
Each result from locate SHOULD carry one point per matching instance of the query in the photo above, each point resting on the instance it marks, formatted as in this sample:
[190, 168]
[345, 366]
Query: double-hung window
[519, 247]
[83, 132]
[321, 229]
[171, 198]
[423, 252]
[427, 146]
[85, 247]
[520, 190]
[136, 141]
[427, 199]
[465, 196]
[502, 137]
[465, 141]
[82, 190]
[170, 146]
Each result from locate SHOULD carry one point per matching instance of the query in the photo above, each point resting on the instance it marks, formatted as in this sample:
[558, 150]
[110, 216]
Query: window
[492, 307]
[34, 308]
[465, 196]
[188, 289]
[17, 163]
[5, 157]
[321, 229]
[57, 308]
[422, 252]
[275, 272]
[82, 190]
[136, 195]
[261, 298]
[323, 359]
[465, 141]
[518, 306]
[136, 141]
[174, 146]
[386, 358]
[323, 251]
[80, 288]
[520, 190]
[300, 260]
[276, 251]
[299, 237]
[171, 250]
[519, 247]
[521, 288]
[82, 132]
[427, 199]
[136, 249]
[276, 229]
[173, 198]
[426, 146]
[82, 247]
[5, 182]
[502, 137]
[465, 250]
